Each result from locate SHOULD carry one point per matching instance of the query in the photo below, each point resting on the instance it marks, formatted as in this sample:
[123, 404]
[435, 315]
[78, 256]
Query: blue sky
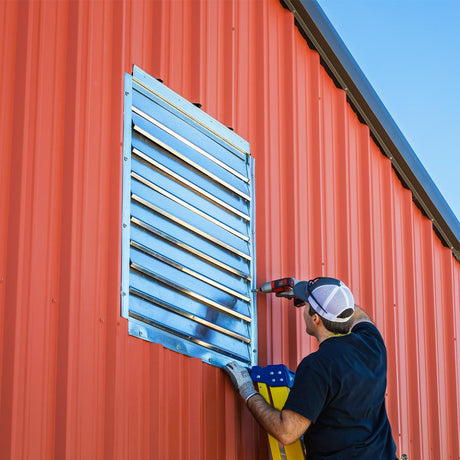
[409, 51]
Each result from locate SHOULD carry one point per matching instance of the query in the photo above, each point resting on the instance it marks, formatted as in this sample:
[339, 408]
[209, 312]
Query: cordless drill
[282, 288]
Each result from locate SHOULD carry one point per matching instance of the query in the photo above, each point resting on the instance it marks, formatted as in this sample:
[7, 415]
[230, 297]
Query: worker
[337, 401]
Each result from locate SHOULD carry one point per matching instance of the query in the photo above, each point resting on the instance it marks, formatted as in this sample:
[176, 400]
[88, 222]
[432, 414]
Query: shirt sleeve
[368, 329]
[309, 393]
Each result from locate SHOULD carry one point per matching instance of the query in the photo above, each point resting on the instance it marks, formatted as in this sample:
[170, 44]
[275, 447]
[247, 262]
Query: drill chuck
[266, 287]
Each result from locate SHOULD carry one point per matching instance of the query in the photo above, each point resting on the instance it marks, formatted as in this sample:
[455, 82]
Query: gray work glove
[241, 380]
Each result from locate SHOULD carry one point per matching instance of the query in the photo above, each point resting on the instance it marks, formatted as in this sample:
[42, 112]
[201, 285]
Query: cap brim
[301, 290]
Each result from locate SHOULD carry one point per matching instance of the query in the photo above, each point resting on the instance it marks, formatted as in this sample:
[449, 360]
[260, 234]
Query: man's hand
[241, 380]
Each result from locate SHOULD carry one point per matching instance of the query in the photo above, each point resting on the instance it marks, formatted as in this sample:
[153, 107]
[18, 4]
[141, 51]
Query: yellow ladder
[274, 383]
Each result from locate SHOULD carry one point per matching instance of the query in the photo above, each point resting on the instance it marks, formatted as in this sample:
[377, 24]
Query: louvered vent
[188, 237]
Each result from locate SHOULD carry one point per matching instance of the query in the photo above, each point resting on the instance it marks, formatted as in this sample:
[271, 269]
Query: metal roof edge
[315, 25]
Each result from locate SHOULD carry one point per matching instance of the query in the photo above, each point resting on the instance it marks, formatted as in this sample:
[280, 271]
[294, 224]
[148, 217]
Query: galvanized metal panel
[73, 383]
[186, 174]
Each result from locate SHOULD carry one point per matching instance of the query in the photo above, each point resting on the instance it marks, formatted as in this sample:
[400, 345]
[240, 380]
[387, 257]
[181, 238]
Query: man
[338, 397]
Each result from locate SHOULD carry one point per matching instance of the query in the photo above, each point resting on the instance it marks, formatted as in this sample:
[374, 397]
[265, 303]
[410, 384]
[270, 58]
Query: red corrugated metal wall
[73, 383]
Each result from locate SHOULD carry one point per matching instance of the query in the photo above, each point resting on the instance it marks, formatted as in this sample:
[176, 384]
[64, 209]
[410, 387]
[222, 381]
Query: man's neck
[322, 334]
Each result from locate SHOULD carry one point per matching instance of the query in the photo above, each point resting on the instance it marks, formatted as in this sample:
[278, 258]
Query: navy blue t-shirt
[341, 389]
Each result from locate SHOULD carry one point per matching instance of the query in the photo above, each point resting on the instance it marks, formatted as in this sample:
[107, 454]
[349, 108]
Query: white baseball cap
[329, 297]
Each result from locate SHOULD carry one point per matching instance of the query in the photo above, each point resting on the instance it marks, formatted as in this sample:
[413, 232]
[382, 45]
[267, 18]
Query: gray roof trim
[315, 25]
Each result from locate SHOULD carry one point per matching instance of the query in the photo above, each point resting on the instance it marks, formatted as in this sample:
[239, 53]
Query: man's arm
[359, 316]
[286, 426]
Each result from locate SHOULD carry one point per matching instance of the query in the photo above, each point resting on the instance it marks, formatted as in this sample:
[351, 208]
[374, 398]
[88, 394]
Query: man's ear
[317, 319]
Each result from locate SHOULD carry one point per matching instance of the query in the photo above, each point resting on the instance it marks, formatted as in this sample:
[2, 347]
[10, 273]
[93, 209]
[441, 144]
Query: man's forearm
[285, 426]
[268, 417]
[359, 316]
